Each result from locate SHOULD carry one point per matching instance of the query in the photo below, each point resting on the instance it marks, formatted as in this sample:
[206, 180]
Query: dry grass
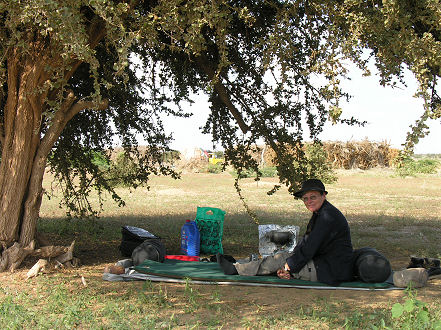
[349, 155]
[369, 199]
[399, 217]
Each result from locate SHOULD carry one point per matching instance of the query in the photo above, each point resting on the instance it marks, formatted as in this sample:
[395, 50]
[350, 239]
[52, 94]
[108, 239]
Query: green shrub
[267, 172]
[319, 166]
[414, 314]
[214, 168]
[120, 170]
[100, 160]
[411, 167]
[428, 166]
[246, 173]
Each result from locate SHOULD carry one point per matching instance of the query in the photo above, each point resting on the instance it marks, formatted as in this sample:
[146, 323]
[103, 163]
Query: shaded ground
[248, 302]
[399, 217]
[234, 306]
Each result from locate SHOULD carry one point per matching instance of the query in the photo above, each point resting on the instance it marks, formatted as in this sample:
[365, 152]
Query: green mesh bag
[210, 222]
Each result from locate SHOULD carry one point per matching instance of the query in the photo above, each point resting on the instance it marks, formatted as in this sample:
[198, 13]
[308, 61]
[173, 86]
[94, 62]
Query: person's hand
[283, 274]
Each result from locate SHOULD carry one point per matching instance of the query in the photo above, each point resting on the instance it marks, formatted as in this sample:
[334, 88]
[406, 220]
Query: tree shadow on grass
[98, 240]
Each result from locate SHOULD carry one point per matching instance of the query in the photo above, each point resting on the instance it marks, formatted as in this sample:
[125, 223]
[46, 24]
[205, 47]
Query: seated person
[325, 252]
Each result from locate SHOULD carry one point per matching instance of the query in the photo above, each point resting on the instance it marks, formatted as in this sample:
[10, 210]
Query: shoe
[415, 277]
[227, 266]
[416, 262]
[431, 263]
[114, 269]
[126, 263]
[434, 271]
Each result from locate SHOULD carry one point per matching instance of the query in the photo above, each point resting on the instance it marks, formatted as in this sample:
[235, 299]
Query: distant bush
[246, 173]
[347, 155]
[101, 161]
[214, 168]
[122, 168]
[319, 164]
[362, 154]
[267, 172]
[411, 167]
[429, 156]
[171, 156]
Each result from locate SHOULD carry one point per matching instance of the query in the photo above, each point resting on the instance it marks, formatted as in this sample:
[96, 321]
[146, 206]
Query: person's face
[313, 200]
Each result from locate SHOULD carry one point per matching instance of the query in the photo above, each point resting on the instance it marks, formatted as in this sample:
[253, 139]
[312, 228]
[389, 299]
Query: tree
[70, 83]
[398, 35]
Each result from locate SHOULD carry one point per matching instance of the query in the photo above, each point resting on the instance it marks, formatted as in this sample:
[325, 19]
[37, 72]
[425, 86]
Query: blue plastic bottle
[190, 238]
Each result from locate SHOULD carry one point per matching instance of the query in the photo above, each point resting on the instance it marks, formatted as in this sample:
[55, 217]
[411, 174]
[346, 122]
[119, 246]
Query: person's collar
[318, 211]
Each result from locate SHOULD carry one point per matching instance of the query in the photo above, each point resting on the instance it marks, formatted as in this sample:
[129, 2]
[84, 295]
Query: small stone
[114, 269]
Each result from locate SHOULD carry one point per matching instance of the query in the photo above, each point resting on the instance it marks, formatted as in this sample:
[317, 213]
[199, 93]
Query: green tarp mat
[210, 271]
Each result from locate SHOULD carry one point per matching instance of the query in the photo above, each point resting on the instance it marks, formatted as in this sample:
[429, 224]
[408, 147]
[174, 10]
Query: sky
[388, 112]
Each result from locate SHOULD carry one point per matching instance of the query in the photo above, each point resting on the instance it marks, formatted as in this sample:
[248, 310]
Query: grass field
[398, 216]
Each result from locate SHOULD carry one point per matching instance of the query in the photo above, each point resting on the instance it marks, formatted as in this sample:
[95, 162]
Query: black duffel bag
[371, 266]
[149, 249]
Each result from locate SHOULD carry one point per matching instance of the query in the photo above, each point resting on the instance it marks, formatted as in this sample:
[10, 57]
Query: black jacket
[328, 243]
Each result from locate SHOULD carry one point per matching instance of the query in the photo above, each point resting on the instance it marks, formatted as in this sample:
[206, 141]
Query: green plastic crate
[210, 221]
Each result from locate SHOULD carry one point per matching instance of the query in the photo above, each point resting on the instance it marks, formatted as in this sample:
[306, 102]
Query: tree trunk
[25, 150]
[22, 119]
[30, 73]
[21, 172]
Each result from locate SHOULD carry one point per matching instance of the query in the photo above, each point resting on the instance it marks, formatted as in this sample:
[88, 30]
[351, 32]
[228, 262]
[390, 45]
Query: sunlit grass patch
[397, 216]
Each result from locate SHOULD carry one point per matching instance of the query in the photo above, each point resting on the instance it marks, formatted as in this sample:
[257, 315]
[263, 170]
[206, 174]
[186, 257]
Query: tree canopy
[70, 82]
[398, 35]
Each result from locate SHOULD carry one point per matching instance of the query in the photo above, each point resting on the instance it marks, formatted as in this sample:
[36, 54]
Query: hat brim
[300, 193]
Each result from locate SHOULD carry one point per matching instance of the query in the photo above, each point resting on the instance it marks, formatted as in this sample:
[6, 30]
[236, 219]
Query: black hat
[311, 185]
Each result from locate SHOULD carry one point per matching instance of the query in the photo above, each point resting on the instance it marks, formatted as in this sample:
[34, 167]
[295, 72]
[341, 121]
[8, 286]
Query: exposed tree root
[13, 256]
[59, 256]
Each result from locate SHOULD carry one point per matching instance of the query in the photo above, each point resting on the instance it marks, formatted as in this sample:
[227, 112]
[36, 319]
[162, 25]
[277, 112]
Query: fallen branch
[39, 266]
[68, 255]
[49, 251]
[83, 280]
[12, 257]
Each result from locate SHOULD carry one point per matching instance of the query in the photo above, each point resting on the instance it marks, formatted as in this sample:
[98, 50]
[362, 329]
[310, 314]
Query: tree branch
[96, 33]
[67, 110]
[81, 105]
[222, 91]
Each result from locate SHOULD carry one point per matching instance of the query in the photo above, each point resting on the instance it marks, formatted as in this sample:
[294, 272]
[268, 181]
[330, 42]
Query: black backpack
[371, 266]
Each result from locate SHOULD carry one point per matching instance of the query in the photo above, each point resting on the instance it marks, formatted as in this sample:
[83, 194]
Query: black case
[132, 237]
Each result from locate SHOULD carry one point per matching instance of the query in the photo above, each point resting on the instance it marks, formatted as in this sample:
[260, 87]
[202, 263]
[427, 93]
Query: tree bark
[22, 120]
[25, 150]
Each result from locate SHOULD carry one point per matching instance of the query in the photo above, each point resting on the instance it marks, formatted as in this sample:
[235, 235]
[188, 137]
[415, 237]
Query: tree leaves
[257, 61]
[400, 34]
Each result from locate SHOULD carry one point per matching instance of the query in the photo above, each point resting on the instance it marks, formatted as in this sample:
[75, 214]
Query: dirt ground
[247, 303]
[244, 300]
[278, 299]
